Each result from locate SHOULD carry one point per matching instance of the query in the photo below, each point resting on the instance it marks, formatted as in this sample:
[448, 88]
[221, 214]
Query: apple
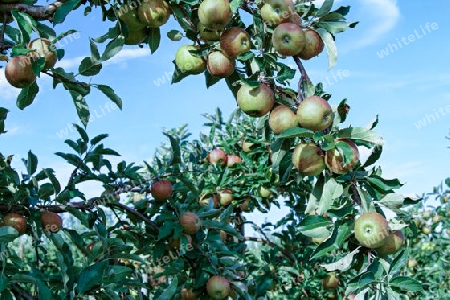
[330, 281]
[264, 192]
[274, 12]
[308, 159]
[232, 160]
[246, 146]
[426, 230]
[219, 65]
[205, 198]
[282, 118]
[314, 113]
[130, 16]
[234, 41]
[444, 199]
[392, 244]
[426, 214]
[255, 101]
[16, 221]
[217, 156]
[225, 197]
[135, 37]
[371, 230]
[187, 294]
[245, 206]
[187, 62]
[191, 222]
[412, 263]
[42, 48]
[208, 34]
[218, 287]
[19, 72]
[154, 13]
[313, 45]
[51, 222]
[223, 236]
[215, 14]
[176, 242]
[335, 161]
[161, 190]
[436, 218]
[288, 39]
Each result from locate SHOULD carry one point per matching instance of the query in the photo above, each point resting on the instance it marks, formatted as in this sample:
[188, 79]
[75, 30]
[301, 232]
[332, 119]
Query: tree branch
[303, 77]
[36, 11]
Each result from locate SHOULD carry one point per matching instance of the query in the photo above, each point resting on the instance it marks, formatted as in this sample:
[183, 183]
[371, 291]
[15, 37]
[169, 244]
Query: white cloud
[68, 63]
[8, 92]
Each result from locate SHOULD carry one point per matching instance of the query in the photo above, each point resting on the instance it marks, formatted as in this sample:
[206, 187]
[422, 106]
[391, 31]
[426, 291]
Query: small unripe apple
[218, 287]
[245, 206]
[264, 192]
[225, 197]
[282, 118]
[219, 65]
[330, 281]
[154, 13]
[234, 41]
[371, 230]
[232, 160]
[51, 221]
[426, 230]
[161, 190]
[191, 222]
[436, 218]
[274, 12]
[19, 71]
[426, 214]
[217, 156]
[16, 221]
[255, 101]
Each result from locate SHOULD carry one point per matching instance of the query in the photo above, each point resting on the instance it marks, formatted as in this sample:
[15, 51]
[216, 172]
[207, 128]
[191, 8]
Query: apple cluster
[138, 16]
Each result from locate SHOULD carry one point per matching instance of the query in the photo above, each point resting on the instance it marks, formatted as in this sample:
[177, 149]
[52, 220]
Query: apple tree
[180, 225]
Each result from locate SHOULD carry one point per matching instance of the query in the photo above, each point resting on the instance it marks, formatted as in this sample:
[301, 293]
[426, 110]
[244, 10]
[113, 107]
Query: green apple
[234, 41]
[208, 34]
[426, 230]
[135, 37]
[282, 118]
[412, 263]
[288, 39]
[255, 101]
[392, 244]
[436, 218]
[265, 192]
[19, 72]
[215, 14]
[128, 13]
[225, 197]
[313, 45]
[190, 222]
[161, 190]
[154, 13]
[219, 65]
[41, 47]
[188, 62]
[308, 159]
[218, 287]
[371, 230]
[314, 113]
[335, 161]
[274, 12]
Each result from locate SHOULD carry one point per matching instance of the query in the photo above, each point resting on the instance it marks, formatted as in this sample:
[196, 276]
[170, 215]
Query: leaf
[406, 284]
[360, 133]
[113, 47]
[342, 230]
[296, 132]
[176, 152]
[175, 35]
[374, 156]
[325, 8]
[170, 290]
[31, 163]
[94, 50]
[8, 234]
[25, 23]
[4, 282]
[81, 106]
[91, 276]
[61, 13]
[342, 264]
[330, 45]
[331, 191]
[154, 38]
[43, 290]
[315, 226]
[27, 95]
[88, 67]
[393, 201]
[109, 92]
[383, 185]
[94, 141]
[3, 115]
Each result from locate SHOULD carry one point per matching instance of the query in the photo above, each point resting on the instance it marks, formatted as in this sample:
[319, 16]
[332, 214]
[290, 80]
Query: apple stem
[304, 77]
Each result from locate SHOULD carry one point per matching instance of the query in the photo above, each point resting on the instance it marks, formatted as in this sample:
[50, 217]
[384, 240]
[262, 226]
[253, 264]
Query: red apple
[42, 48]
[205, 198]
[392, 244]
[274, 12]
[214, 14]
[308, 159]
[218, 287]
[314, 113]
[219, 65]
[16, 221]
[234, 41]
[187, 294]
[19, 72]
[371, 230]
[161, 190]
[217, 156]
[191, 222]
[255, 101]
[51, 221]
[282, 118]
[313, 45]
[335, 161]
[245, 206]
[154, 13]
[288, 39]
[232, 160]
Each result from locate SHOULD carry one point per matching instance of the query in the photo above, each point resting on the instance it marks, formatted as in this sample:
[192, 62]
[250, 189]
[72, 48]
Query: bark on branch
[36, 11]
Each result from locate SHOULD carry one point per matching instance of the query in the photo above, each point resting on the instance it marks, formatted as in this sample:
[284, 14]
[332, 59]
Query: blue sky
[394, 65]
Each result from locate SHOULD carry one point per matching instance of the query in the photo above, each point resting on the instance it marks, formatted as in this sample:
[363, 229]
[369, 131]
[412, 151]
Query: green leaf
[342, 264]
[31, 163]
[374, 156]
[176, 151]
[88, 67]
[81, 106]
[27, 95]
[94, 50]
[342, 230]
[170, 290]
[91, 276]
[393, 201]
[383, 185]
[64, 10]
[331, 190]
[360, 133]
[221, 226]
[113, 47]
[25, 23]
[296, 132]
[325, 8]
[315, 226]
[3, 115]
[406, 284]
[175, 35]
[109, 92]
[112, 33]
[154, 38]
[330, 45]
[98, 138]
[210, 80]
[43, 290]
[4, 282]
[235, 5]
[8, 234]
